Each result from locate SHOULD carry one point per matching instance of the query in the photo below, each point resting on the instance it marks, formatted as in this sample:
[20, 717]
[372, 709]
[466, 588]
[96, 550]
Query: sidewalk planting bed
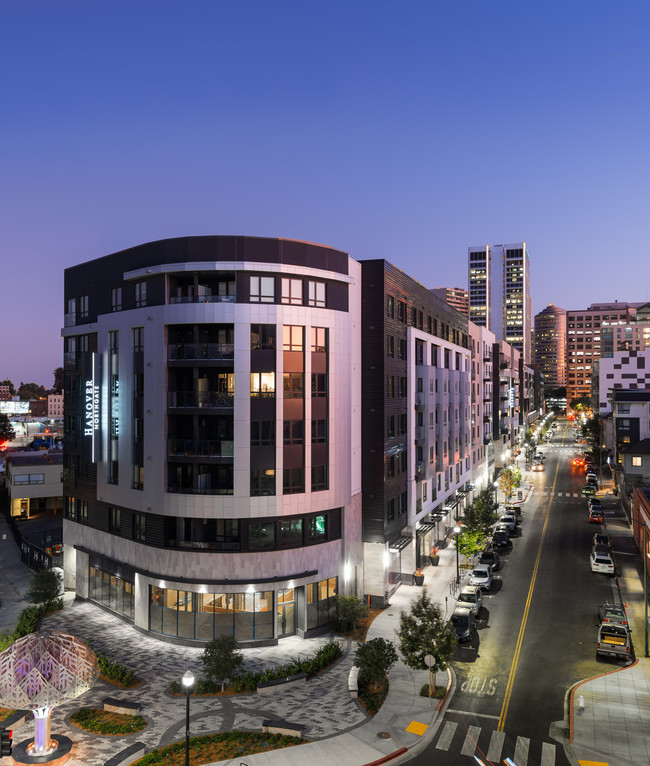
[218, 747]
[4, 713]
[105, 723]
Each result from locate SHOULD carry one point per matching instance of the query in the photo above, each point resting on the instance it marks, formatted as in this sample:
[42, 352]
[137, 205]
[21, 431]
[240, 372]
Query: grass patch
[372, 697]
[438, 691]
[218, 747]
[103, 722]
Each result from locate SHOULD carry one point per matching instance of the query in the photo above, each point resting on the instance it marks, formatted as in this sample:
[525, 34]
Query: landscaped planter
[418, 579]
[269, 686]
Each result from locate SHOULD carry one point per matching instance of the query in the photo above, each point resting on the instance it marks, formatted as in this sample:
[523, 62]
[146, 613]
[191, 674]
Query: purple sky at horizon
[407, 131]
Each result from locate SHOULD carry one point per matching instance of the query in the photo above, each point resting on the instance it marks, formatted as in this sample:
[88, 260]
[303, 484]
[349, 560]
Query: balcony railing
[202, 299]
[69, 320]
[419, 433]
[199, 448]
[196, 491]
[182, 352]
[205, 399]
[420, 399]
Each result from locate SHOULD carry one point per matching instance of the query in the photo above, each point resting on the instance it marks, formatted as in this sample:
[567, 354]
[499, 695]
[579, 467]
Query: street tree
[45, 587]
[374, 659]
[221, 660]
[423, 630]
[507, 482]
[349, 610]
[469, 542]
[482, 513]
[7, 432]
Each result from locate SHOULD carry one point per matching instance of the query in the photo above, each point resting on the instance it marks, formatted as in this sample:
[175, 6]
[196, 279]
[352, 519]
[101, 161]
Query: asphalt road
[538, 627]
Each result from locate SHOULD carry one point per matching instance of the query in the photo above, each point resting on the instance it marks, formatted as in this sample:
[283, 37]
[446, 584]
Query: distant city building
[499, 293]
[631, 336]
[585, 341]
[456, 297]
[624, 370]
[55, 405]
[5, 393]
[549, 346]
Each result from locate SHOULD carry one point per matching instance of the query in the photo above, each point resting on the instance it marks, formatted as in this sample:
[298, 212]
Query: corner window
[293, 480]
[261, 535]
[292, 291]
[318, 478]
[262, 482]
[262, 433]
[262, 290]
[290, 533]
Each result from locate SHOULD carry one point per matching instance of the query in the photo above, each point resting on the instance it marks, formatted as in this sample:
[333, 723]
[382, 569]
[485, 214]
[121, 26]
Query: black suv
[500, 539]
[491, 557]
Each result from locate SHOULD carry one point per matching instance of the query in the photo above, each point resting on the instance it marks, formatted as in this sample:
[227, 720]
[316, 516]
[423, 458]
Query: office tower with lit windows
[499, 293]
[212, 473]
[549, 346]
[455, 297]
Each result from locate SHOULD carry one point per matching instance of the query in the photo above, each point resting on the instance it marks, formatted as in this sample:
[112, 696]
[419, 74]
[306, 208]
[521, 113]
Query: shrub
[28, 620]
[115, 672]
[438, 691]
[221, 659]
[103, 722]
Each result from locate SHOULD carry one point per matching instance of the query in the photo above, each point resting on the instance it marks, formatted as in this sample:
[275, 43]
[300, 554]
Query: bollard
[581, 702]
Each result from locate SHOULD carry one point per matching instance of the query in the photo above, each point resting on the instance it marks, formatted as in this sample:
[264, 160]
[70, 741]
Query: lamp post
[188, 683]
[457, 532]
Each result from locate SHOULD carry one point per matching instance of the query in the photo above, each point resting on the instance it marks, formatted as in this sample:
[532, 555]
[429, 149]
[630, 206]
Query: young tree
[507, 482]
[469, 542]
[221, 659]
[7, 432]
[349, 610]
[424, 631]
[482, 513]
[45, 587]
[516, 475]
[374, 659]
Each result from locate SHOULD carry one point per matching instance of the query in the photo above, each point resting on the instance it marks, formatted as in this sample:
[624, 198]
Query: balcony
[203, 400]
[184, 352]
[420, 399]
[419, 433]
[419, 471]
[202, 299]
[173, 489]
[69, 320]
[199, 448]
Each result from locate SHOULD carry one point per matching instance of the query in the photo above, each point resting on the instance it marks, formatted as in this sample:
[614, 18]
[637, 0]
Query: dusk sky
[399, 130]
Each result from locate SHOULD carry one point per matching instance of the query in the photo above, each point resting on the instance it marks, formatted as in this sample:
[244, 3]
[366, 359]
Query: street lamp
[188, 683]
[457, 532]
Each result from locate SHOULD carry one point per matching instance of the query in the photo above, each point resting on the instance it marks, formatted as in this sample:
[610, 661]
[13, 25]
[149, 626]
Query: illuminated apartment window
[636, 462]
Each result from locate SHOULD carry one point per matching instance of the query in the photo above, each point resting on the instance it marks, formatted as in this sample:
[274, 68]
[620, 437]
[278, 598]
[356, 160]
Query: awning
[400, 543]
[424, 528]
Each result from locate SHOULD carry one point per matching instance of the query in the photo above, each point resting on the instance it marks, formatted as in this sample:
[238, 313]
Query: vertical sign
[92, 407]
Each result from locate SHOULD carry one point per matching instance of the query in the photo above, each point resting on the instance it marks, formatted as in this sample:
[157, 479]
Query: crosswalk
[490, 746]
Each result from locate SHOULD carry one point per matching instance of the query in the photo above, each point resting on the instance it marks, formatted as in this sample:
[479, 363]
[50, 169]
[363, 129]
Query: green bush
[101, 722]
[438, 692]
[115, 672]
[28, 620]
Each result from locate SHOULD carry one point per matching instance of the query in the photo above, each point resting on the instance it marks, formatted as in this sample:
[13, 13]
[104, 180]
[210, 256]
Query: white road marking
[447, 735]
[469, 745]
[521, 751]
[548, 754]
[496, 746]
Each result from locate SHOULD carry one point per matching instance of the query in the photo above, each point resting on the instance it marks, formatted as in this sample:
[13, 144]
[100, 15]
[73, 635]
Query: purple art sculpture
[42, 670]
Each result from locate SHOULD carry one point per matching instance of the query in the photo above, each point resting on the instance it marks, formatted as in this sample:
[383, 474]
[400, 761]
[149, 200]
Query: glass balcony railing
[204, 399]
[202, 299]
[177, 352]
[199, 448]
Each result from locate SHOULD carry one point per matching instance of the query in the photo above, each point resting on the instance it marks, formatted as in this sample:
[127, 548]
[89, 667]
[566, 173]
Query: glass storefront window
[320, 602]
[112, 591]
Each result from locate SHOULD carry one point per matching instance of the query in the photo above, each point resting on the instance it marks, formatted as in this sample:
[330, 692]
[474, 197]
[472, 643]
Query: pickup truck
[613, 641]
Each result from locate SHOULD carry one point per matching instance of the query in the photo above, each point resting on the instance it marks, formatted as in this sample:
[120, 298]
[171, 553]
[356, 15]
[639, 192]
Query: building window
[261, 535]
[317, 531]
[390, 510]
[115, 520]
[318, 431]
[116, 299]
[292, 291]
[318, 478]
[390, 426]
[262, 433]
[139, 527]
[262, 336]
[390, 466]
[319, 339]
[113, 472]
[401, 349]
[294, 432]
[137, 334]
[390, 347]
[316, 294]
[401, 311]
[293, 480]
[83, 307]
[138, 477]
[292, 338]
[293, 385]
[402, 424]
[390, 386]
[262, 290]
[403, 387]
[636, 462]
[290, 533]
[140, 294]
[262, 384]
[262, 482]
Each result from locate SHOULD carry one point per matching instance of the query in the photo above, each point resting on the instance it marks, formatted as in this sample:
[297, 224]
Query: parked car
[593, 483]
[464, 623]
[539, 456]
[613, 641]
[588, 489]
[500, 538]
[612, 613]
[481, 576]
[596, 516]
[491, 557]
[471, 596]
[601, 561]
[590, 475]
[601, 539]
[509, 521]
[512, 515]
[516, 509]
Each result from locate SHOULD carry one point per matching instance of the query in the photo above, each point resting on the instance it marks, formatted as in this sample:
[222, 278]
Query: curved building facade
[212, 474]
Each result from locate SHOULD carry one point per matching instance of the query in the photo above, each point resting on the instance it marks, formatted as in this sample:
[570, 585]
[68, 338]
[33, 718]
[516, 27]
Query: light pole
[457, 532]
[188, 683]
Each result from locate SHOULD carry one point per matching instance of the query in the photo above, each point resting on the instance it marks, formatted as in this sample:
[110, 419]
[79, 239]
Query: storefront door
[286, 613]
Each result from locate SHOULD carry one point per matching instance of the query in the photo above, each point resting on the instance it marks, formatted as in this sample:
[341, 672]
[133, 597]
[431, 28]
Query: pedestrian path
[488, 744]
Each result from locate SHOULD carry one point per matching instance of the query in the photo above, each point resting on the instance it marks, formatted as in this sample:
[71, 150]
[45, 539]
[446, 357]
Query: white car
[601, 562]
[471, 598]
[481, 576]
[509, 521]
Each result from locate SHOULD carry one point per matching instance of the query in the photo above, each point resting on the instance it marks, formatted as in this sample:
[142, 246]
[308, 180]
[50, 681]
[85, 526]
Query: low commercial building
[35, 482]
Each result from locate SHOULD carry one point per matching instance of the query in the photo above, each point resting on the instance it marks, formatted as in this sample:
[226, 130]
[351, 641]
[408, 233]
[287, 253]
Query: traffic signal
[5, 742]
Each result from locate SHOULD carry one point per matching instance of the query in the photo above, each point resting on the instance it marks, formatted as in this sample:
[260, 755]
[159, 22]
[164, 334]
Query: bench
[283, 727]
[128, 755]
[353, 682]
[125, 707]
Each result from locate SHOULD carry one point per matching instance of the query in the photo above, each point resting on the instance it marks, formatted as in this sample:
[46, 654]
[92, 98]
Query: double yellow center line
[520, 637]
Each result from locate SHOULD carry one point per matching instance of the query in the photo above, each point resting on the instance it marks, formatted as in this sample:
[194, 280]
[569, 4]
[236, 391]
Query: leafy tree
[45, 587]
[221, 659]
[423, 630]
[7, 382]
[31, 391]
[7, 432]
[374, 659]
[58, 380]
[580, 403]
[516, 475]
[507, 482]
[482, 513]
[469, 542]
[349, 610]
